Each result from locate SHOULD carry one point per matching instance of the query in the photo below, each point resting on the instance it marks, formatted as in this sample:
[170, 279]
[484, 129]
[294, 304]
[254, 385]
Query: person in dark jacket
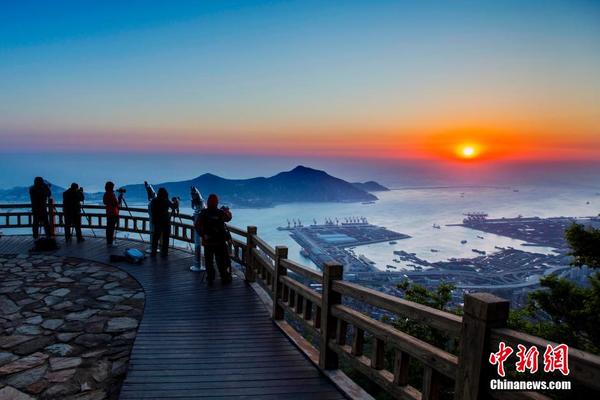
[112, 211]
[211, 222]
[39, 194]
[72, 199]
[160, 208]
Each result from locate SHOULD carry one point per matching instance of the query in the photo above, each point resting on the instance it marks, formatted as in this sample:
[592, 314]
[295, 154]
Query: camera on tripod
[121, 190]
[175, 205]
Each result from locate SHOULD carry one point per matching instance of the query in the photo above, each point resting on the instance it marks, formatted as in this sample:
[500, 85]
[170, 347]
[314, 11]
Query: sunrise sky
[377, 79]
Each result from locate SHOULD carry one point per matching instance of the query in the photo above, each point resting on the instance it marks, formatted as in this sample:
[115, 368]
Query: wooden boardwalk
[200, 342]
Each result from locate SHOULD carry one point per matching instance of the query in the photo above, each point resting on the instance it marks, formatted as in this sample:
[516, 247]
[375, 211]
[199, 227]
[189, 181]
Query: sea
[415, 211]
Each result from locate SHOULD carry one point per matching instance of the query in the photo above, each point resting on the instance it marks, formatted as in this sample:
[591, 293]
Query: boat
[393, 242]
[304, 253]
[463, 241]
[435, 251]
[390, 267]
[437, 226]
[479, 252]
[368, 202]
[480, 237]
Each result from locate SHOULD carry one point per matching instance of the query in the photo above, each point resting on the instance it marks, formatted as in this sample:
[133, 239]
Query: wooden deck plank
[200, 342]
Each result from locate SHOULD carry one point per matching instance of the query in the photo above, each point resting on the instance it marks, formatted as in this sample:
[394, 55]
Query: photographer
[215, 235]
[161, 221]
[72, 199]
[112, 211]
[39, 194]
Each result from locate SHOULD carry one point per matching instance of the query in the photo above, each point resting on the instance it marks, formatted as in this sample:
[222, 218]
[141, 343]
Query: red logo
[500, 357]
[528, 359]
[556, 358]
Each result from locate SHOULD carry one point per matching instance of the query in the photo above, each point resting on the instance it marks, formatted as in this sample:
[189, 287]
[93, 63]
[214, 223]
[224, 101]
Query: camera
[80, 190]
[121, 190]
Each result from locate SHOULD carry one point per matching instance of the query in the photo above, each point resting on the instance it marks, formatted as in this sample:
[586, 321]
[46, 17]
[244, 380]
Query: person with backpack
[160, 207]
[112, 212]
[72, 199]
[211, 222]
[40, 194]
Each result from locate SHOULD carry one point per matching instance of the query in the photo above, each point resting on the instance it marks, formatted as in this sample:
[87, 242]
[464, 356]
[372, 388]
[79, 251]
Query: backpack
[132, 256]
[213, 226]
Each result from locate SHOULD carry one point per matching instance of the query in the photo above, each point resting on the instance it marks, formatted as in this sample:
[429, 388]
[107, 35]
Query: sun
[467, 151]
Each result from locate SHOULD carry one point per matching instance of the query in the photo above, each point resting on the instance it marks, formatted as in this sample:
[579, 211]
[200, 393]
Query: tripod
[89, 220]
[122, 199]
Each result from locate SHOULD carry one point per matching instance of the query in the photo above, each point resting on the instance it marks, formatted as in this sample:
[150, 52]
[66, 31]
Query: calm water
[413, 212]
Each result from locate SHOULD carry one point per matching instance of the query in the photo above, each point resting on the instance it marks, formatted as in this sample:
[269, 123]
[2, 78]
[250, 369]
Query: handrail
[442, 320]
[264, 246]
[302, 270]
[324, 307]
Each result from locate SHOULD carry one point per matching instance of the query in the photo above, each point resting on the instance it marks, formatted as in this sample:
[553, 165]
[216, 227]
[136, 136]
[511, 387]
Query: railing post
[250, 271]
[281, 252]
[328, 359]
[482, 312]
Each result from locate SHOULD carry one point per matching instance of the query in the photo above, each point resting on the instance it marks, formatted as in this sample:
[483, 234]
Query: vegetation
[562, 311]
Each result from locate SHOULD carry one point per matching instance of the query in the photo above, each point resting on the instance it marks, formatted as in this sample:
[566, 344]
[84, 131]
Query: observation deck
[282, 330]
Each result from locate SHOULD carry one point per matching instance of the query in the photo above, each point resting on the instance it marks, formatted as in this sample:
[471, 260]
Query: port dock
[334, 241]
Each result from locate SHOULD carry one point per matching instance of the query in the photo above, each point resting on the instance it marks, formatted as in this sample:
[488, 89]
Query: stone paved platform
[67, 327]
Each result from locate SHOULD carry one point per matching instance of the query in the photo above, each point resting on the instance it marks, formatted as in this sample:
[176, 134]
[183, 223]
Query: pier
[242, 341]
[333, 241]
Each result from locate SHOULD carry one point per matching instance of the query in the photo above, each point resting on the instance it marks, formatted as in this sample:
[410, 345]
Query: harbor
[501, 259]
[336, 239]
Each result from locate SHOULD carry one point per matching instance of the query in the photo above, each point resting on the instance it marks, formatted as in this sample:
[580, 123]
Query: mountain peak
[301, 169]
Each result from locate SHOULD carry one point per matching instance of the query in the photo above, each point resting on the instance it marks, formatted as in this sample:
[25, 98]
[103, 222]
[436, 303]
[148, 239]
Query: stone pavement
[67, 327]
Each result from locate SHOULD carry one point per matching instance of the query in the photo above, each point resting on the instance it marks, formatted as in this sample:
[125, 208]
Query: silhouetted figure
[215, 235]
[72, 199]
[39, 194]
[161, 221]
[112, 211]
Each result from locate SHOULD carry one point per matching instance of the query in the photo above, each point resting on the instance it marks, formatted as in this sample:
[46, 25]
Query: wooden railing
[320, 303]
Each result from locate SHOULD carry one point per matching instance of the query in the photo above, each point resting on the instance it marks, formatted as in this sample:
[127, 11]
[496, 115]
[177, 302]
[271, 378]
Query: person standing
[72, 199]
[161, 222]
[215, 235]
[40, 194]
[112, 212]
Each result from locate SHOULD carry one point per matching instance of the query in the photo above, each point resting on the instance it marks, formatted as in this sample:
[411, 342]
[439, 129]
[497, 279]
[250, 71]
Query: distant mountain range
[301, 184]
